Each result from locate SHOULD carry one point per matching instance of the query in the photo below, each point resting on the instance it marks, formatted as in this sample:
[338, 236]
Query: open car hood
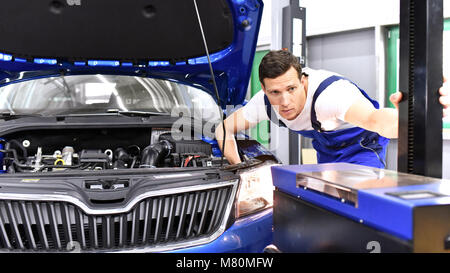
[157, 38]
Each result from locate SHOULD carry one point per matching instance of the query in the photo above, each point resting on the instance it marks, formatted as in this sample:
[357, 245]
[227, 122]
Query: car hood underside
[161, 39]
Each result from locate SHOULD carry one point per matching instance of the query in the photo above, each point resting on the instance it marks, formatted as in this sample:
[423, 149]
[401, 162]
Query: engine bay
[101, 149]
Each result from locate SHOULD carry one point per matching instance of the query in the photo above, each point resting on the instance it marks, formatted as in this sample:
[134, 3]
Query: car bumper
[247, 235]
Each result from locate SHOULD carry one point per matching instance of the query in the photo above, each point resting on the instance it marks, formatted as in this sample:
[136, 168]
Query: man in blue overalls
[345, 123]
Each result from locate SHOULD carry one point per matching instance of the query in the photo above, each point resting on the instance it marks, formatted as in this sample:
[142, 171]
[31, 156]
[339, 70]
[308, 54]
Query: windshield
[88, 94]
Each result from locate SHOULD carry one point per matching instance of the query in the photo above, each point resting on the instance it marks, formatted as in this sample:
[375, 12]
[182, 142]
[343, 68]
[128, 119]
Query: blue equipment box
[343, 207]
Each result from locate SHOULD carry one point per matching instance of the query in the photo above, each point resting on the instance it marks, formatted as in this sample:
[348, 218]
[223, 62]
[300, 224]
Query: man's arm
[363, 114]
[444, 91]
[233, 124]
[385, 121]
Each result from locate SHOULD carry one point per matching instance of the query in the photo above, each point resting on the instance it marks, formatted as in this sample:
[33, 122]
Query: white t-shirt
[331, 105]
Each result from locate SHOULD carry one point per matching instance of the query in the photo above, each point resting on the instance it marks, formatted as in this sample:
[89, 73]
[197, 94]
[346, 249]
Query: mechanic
[345, 123]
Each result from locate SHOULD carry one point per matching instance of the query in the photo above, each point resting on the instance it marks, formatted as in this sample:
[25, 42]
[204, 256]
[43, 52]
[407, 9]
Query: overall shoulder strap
[271, 114]
[322, 86]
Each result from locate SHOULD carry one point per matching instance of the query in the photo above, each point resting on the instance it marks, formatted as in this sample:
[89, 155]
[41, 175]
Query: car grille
[158, 220]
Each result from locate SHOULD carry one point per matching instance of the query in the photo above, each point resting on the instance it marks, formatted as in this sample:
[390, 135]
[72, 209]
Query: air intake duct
[122, 158]
[152, 155]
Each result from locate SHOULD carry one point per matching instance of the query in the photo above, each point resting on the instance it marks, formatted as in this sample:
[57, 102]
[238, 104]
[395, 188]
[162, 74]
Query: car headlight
[256, 190]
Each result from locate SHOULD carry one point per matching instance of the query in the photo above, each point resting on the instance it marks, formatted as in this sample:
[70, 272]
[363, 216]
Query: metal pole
[291, 13]
[420, 113]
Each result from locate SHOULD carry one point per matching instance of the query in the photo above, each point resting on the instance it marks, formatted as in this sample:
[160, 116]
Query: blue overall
[353, 145]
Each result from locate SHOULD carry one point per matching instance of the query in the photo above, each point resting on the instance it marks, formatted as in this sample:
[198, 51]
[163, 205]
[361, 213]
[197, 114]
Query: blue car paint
[249, 234]
[250, 151]
[232, 66]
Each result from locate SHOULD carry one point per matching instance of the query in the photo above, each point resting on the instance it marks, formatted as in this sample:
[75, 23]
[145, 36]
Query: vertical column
[420, 113]
[293, 39]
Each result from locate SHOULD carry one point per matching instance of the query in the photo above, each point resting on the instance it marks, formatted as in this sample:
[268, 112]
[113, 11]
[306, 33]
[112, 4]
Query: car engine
[21, 154]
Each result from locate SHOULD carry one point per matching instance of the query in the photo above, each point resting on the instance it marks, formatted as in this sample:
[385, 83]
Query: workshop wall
[339, 52]
[330, 16]
[265, 30]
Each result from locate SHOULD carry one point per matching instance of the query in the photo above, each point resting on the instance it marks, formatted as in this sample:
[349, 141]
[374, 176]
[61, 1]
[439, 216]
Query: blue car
[107, 116]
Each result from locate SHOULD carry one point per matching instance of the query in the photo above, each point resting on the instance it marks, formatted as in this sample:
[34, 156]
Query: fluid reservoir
[67, 154]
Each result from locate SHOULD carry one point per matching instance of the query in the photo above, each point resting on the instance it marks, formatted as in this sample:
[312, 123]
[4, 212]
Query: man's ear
[263, 88]
[303, 79]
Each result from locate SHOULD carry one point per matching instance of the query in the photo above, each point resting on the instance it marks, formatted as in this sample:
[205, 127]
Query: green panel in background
[446, 24]
[261, 131]
[392, 62]
[447, 28]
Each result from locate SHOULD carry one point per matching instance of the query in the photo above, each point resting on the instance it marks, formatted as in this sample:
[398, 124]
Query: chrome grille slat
[193, 214]
[112, 232]
[204, 212]
[81, 236]
[147, 220]
[222, 203]
[13, 224]
[160, 211]
[135, 225]
[183, 215]
[107, 233]
[66, 222]
[39, 218]
[53, 225]
[93, 231]
[215, 206]
[171, 216]
[28, 225]
[123, 230]
[5, 238]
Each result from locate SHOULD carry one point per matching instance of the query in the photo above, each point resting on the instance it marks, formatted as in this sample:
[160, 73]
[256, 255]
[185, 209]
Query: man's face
[287, 93]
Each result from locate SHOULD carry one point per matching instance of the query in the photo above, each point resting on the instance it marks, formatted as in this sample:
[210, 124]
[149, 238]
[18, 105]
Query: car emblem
[73, 2]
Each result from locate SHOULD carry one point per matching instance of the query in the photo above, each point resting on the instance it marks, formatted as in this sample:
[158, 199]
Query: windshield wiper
[136, 113]
[11, 115]
[114, 112]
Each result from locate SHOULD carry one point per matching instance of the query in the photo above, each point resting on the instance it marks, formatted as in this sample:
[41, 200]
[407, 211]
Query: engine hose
[14, 141]
[122, 159]
[15, 160]
[18, 167]
[154, 153]
[13, 151]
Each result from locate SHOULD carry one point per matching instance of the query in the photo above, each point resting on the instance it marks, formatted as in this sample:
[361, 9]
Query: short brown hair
[276, 63]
